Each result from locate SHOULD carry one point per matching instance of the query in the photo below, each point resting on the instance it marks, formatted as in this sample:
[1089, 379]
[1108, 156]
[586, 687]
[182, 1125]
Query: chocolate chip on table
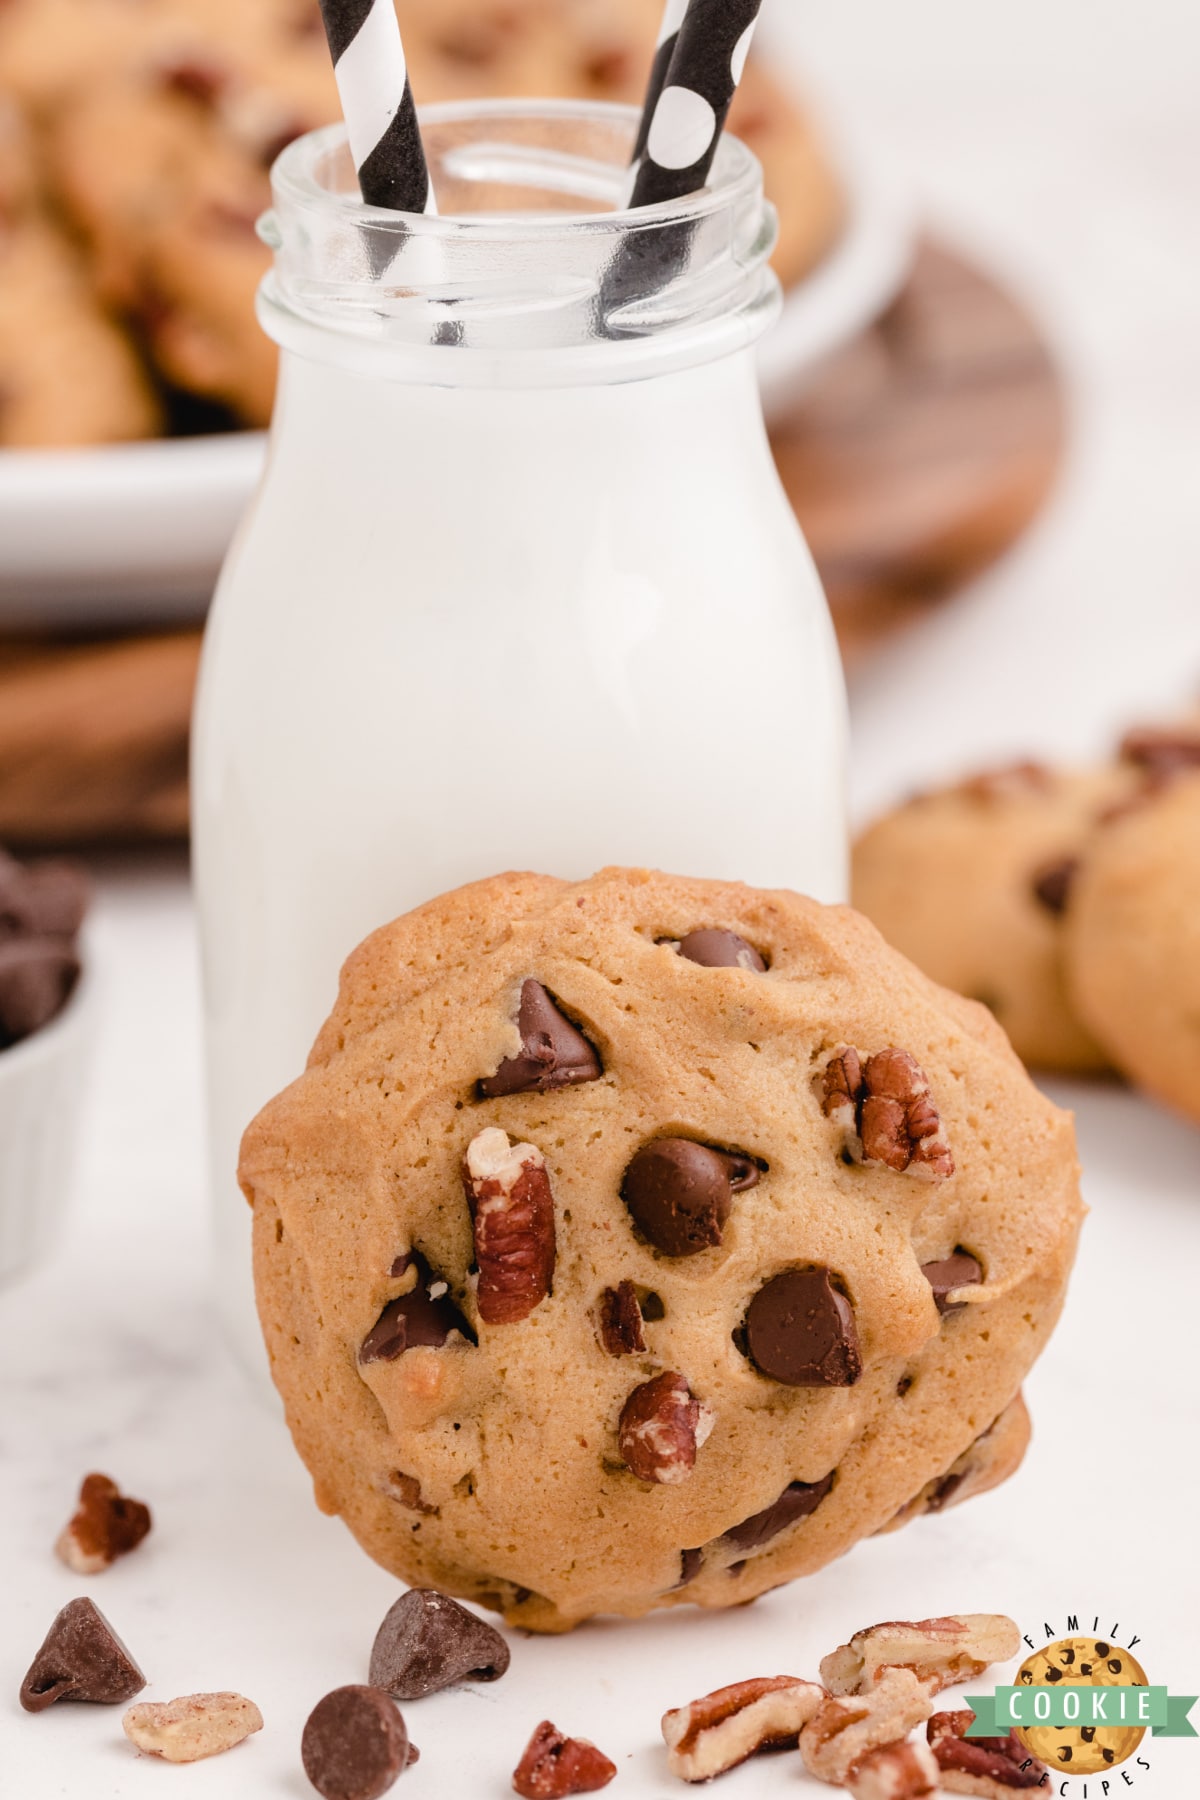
[554, 1766]
[426, 1315]
[800, 1330]
[42, 899]
[82, 1658]
[106, 1524]
[355, 1744]
[554, 1053]
[797, 1501]
[428, 1642]
[957, 1271]
[680, 1193]
[37, 975]
[716, 949]
[619, 1317]
[1051, 883]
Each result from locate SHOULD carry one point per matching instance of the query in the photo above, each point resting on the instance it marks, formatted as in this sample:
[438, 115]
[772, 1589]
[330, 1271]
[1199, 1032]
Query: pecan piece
[194, 1726]
[723, 1729]
[845, 1728]
[988, 1766]
[620, 1320]
[939, 1652]
[107, 1524]
[508, 1190]
[903, 1771]
[554, 1765]
[661, 1428]
[884, 1105]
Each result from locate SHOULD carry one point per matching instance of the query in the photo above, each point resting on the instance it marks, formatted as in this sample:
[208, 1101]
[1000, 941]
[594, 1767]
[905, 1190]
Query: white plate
[134, 534]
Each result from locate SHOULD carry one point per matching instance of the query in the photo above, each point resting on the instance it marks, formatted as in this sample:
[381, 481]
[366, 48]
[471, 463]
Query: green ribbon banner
[996, 1714]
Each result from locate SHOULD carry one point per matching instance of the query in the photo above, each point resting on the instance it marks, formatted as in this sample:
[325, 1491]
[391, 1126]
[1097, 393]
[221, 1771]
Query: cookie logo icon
[1084, 1749]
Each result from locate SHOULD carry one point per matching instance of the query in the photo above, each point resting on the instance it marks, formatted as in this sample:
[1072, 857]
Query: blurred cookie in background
[973, 882]
[158, 124]
[1133, 941]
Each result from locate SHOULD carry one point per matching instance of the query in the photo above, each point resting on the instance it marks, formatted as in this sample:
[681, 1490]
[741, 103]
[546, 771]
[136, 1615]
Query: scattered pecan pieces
[938, 1652]
[508, 1190]
[991, 1767]
[844, 1728]
[619, 1318]
[108, 1524]
[903, 1771]
[661, 1428]
[725, 1728]
[884, 1105]
[554, 1765]
[194, 1726]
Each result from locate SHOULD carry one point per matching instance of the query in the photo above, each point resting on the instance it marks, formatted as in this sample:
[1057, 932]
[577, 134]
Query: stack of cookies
[1067, 901]
[135, 147]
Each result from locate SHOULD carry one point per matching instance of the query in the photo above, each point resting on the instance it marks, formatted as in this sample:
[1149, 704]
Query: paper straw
[664, 49]
[688, 116]
[381, 118]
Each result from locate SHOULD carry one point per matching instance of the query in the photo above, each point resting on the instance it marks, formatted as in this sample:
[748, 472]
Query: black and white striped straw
[688, 104]
[381, 117]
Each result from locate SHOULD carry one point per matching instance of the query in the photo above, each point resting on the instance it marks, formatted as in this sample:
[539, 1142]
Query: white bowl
[134, 534]
[42, 1081]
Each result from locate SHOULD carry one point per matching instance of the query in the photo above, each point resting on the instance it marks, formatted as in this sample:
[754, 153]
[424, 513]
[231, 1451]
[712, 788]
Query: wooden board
[917, 456]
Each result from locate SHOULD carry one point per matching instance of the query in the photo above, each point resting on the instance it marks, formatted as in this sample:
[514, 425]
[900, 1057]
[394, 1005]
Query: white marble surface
[1065, 142]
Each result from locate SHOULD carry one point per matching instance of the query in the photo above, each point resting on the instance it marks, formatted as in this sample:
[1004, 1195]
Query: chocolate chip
[956, 1271]
[42, 899]
[554, 1053]
[620, 1320]
[942, 1492]
[715, 949]
[1114, 1665]
[427, 1315]
[800, 1330]
[680, 1193]
[797, 1501]
[82, 1658]
[1053, 1675]
[36, 977]
[690, 1562]
[1162, 750]
[1051, 883]
[428, 1642]
[1085, 1668]
[1102, 1651]
[1087, 1733]
[354, 1744]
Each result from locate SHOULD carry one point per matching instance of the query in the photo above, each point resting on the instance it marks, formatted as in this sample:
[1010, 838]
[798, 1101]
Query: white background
[1061, 140]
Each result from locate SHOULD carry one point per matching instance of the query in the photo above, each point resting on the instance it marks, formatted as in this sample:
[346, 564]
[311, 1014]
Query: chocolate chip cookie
[639, 1241]
[974, 882]
[1133, 941]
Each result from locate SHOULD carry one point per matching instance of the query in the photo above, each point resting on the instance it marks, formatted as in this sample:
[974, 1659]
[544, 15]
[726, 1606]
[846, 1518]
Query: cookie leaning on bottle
[707, 1369]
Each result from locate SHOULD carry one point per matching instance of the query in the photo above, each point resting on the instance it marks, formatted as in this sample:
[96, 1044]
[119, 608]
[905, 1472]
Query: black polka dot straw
[683, 120]
[381, 118]
[664, 50]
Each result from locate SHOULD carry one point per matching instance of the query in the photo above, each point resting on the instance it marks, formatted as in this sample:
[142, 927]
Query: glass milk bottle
[520, 588]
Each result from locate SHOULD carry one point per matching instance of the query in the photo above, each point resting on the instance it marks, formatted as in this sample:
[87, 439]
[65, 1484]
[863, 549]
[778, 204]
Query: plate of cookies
[135, 149]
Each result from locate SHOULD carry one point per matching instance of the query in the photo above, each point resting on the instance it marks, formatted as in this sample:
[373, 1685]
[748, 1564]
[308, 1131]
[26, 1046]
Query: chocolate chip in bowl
[46, 1009]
